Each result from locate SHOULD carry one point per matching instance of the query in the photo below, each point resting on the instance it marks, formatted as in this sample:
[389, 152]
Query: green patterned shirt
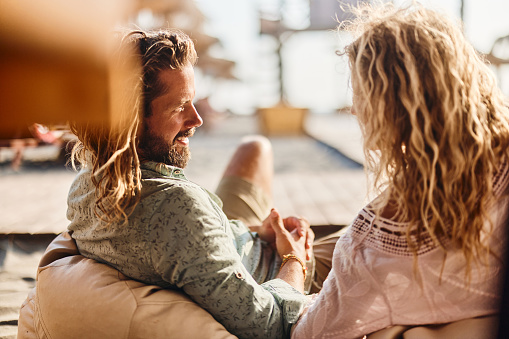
[178, 237]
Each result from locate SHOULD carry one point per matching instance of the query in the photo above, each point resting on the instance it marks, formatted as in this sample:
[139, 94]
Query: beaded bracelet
[287, 257]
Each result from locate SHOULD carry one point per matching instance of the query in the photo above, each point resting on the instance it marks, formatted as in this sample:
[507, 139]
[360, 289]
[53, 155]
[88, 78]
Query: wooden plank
[34, 202]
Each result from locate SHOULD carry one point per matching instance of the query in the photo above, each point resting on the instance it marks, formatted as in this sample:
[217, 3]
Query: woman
[436, 133]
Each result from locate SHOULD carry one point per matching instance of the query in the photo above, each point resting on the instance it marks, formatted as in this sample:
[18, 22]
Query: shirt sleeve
[190, 249]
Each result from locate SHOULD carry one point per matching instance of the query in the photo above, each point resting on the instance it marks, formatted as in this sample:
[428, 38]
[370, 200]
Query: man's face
[165, 133]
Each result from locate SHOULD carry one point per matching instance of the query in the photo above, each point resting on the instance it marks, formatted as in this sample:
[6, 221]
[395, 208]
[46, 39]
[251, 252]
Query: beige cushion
[79, 297]
[474, 328]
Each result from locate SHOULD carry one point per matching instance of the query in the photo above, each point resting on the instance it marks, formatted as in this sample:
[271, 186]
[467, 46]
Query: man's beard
[154, 148]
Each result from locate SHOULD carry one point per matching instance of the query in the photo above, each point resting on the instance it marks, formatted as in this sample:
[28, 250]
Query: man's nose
[194, 119]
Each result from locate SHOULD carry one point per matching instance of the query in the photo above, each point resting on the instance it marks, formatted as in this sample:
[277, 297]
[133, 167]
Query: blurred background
[262, 43]
[253, 53]
[251, 32]
[265, 66]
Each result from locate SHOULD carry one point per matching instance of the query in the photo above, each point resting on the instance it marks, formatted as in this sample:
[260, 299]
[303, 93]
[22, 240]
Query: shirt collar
[166, 170]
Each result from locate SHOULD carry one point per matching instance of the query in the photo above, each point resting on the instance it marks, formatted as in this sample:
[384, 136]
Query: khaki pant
[244, 201]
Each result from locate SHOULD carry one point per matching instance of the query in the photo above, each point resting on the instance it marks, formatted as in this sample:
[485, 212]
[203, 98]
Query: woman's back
[436, 136]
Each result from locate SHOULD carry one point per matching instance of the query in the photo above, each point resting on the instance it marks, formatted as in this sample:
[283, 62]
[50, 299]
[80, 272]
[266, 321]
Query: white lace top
[372, 283]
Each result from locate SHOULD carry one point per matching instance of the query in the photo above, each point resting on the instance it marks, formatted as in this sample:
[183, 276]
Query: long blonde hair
[434, 123]
[109, 148]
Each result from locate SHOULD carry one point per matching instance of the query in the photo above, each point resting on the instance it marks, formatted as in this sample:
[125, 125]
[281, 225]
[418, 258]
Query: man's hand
[265, 231]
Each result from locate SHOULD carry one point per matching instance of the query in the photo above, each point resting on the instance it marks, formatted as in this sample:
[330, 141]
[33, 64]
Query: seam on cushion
[39, 316]
[38, 327]
[169, 303]
[125, 282]
[158, 302]
[30, 303]
[56, 264]
[138, 303]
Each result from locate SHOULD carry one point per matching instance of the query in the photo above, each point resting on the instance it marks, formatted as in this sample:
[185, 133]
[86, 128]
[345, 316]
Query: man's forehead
[170, 77]
[177, 85]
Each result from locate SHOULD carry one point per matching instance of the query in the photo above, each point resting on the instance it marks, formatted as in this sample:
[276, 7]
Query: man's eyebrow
[182, 101]
[172, 103]
[176, 103]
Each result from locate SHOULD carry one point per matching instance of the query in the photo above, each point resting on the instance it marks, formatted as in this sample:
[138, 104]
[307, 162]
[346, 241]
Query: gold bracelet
[287, 257]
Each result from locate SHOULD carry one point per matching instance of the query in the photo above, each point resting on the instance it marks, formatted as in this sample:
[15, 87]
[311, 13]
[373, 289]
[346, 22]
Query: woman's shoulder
[386, 235]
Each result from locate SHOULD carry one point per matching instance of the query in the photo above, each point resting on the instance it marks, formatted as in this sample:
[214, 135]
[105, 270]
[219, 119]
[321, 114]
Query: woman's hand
[303, 229]
[291, 242]
[299, 224]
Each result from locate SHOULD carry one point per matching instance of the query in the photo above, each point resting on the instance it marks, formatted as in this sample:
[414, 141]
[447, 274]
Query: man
[132, 207]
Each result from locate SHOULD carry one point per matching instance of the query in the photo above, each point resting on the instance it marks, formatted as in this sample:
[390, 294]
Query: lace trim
[390, 237]
[501, 179]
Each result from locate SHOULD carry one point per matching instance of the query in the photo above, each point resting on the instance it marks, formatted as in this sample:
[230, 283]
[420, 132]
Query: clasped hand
[291, 235]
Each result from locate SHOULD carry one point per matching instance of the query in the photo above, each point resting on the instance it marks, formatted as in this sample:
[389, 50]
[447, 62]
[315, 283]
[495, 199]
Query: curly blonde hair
[109, 148]
[434, 123]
